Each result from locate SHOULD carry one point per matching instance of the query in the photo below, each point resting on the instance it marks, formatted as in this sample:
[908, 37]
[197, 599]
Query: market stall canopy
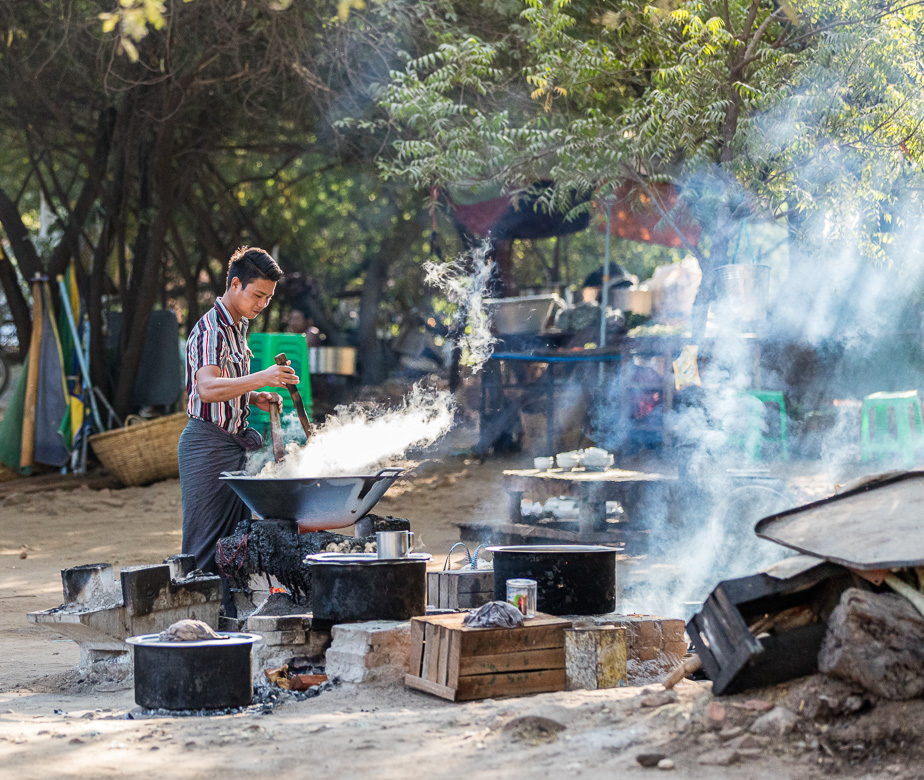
[484, 210]
[635, 216]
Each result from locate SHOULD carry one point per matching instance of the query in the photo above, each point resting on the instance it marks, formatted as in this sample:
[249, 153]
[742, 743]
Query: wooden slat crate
[459, 663]
[460, 588]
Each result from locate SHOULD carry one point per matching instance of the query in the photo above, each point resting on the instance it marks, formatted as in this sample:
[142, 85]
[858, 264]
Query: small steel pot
[212, 674]
[571, 579]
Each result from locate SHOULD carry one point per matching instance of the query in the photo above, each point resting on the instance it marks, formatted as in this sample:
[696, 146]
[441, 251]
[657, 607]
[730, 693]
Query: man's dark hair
[251, 262]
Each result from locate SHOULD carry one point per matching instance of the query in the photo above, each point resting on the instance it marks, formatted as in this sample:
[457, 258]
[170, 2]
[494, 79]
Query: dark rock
[649, 760]
[876, 640]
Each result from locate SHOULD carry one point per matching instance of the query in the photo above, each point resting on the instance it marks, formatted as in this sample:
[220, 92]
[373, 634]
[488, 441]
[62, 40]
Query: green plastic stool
[896, 429]
[755, 438]
[265, 347]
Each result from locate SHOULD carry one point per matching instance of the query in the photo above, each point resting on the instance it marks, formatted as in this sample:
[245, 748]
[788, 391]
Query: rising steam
[359, 440]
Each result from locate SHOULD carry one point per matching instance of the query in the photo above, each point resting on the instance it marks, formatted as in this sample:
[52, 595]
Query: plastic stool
[265, 347]
[901, 410]
[755, 437]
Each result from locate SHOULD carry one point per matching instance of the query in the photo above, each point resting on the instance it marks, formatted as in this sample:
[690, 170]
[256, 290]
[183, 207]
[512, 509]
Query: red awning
[635, 217]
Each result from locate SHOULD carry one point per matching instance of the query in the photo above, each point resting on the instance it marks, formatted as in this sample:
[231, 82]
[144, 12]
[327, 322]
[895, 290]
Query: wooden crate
[460, 588]
[459, 663]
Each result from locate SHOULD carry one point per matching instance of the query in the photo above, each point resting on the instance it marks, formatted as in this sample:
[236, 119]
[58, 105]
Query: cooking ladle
[281, 360]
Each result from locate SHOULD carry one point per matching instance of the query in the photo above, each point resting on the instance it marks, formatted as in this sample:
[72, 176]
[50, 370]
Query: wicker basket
[144, 452]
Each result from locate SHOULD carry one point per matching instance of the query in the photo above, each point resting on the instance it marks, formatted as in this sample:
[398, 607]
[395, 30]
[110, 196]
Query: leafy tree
[807, 113]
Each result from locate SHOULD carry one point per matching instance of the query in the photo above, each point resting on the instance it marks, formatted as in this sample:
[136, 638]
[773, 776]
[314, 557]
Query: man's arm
[214, 388]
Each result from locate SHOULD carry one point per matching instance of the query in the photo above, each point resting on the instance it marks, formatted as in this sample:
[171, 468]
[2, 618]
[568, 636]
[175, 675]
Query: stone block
[678, 649]
[144, 588]
[595, 658]
[90, 585]
[375, 651]
[673, 630]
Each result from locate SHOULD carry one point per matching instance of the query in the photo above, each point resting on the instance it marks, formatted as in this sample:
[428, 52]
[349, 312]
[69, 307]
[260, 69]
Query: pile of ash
[274, 549]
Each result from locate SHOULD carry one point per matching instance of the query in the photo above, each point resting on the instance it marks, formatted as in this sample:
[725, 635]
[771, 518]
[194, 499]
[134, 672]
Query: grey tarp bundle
[211, 509]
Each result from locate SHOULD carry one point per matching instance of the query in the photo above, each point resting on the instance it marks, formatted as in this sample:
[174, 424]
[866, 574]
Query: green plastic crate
[265, 347]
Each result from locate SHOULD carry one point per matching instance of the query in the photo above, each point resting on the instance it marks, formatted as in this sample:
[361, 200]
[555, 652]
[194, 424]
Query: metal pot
[742, 292]
[636, 301]
[347, 588]
[572, 579]
[526, 314]
[332, 360]
[209, 675]
[316, 504]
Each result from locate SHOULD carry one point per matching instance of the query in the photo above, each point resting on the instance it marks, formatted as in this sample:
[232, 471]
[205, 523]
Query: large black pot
[212, 674]
[347, 588]
[571, 579]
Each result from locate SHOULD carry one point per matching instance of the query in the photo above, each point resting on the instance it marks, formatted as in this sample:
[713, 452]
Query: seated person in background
[592, 289]
[299, 322]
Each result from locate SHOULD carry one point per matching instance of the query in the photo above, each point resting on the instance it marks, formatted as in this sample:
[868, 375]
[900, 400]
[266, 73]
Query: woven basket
[144, 452]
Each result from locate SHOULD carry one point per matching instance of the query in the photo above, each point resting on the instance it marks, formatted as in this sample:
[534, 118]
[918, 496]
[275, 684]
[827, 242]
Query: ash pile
[850, 604]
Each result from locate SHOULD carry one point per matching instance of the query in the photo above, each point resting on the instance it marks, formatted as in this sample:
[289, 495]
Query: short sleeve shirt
[217, 341]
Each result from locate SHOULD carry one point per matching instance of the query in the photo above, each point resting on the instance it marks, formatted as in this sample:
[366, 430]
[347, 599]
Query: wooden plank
[484, 686]
[433, 588]
[455, 657]
[443, 691]
[490, 641]
[442, 674]
[417, 645]
[527, 660]
[431, 653]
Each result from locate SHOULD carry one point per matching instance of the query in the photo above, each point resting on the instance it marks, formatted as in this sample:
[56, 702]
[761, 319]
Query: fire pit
[315, 504]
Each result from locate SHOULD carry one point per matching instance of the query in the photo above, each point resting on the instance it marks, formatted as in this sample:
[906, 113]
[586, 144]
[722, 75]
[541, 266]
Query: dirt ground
[54, 724]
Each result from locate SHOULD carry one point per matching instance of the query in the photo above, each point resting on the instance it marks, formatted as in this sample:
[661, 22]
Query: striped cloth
[217, 341]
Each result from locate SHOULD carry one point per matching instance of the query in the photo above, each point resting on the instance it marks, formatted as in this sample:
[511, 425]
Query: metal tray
[878, 525]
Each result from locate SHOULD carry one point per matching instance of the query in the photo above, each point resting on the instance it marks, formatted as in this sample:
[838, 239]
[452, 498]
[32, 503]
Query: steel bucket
[742, 293]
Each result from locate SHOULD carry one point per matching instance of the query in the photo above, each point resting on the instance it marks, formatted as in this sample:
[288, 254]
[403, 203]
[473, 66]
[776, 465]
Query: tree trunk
[19, 306]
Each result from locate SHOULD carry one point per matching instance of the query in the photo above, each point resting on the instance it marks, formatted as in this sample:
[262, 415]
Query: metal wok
[316, 504]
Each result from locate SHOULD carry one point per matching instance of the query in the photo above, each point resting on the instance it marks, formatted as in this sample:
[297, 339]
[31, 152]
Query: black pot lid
[551, 549]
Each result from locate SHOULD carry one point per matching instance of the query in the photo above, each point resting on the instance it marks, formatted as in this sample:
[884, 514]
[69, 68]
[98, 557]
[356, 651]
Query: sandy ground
[51, 726]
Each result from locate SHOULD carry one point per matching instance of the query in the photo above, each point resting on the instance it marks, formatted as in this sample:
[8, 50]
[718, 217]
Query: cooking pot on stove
[315, 503]
[349, 587]
[210, 674]
[571, 579]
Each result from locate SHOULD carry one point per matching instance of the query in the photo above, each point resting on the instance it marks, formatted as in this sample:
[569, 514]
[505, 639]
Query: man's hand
[278, 376]
[265, 400]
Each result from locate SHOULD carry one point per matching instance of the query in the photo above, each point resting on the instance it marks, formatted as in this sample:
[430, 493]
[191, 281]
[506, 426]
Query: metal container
[522, 594]
[212, 674]
[572, 579]
[527, 314]
[350, 588]
[635, 301]
[393, 544]
[316, 504]
[332, 360]
[742, 292]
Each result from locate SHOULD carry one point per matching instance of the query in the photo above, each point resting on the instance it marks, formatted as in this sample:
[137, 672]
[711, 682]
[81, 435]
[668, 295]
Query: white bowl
[568, 460]
[597, 459]
[543, 464]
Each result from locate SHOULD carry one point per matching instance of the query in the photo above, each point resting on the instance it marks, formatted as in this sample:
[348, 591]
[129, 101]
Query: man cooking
[221, 389]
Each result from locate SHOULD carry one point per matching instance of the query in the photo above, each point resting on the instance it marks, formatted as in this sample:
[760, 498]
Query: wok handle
[281, 360]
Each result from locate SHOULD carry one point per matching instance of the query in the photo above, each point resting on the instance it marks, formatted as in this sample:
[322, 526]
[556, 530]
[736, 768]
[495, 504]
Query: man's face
[297, 322]
[252, 299]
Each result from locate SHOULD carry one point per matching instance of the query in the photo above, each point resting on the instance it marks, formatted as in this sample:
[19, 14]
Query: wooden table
[633, 489]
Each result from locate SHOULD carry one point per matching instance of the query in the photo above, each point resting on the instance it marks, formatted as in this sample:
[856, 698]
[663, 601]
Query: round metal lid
[533, 549]
[365, 559]
[228, 639]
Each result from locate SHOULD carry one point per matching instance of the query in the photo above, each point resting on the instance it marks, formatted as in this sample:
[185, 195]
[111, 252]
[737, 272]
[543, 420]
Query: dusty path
[52, 726]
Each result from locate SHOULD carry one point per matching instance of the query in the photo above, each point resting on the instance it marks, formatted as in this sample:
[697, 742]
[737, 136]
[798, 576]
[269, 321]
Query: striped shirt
[217, 341]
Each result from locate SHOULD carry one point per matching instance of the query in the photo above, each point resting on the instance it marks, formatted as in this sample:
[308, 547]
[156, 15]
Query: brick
[672, 630]
[646, 654]
[370, 652]
[677, 649]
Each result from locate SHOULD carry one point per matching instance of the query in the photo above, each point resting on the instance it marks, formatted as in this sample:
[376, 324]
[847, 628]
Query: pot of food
[572, 579]
[524, 315]
[347, 588]
[209, 674]
[314, 503]
[742, 292]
